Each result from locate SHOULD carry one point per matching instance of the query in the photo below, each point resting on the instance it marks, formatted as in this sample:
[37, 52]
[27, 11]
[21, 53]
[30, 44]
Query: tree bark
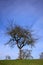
[20, 56]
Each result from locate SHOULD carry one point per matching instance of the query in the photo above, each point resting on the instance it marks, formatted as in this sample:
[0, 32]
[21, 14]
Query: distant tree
[41, 55]
[7, 57]
[19, 36]
[26, 54]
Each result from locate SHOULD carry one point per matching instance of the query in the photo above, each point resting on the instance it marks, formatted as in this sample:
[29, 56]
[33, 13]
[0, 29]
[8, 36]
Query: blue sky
[24, 13]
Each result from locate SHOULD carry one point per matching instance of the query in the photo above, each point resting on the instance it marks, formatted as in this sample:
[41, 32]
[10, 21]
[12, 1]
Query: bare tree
[7, 57]
[26, 54]
[19, 36]
[41, 55]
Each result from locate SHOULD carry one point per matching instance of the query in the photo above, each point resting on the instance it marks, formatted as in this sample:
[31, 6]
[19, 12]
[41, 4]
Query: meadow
[21, 62]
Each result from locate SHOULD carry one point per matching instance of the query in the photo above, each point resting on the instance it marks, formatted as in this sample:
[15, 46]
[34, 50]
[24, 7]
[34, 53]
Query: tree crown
[21, 36]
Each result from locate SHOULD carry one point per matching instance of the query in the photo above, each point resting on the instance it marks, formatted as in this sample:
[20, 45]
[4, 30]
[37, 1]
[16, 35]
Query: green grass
[21, 62]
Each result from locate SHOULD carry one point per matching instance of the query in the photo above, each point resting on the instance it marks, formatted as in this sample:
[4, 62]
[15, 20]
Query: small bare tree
[7, 57]
[41, 55]
[26, 54]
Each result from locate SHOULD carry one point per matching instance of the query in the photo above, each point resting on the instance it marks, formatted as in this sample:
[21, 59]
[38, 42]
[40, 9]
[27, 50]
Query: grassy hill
[21, 62]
